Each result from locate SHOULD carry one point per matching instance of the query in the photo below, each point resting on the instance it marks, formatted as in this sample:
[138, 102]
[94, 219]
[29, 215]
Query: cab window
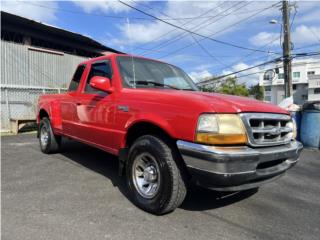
[76, 78]
[102, 69]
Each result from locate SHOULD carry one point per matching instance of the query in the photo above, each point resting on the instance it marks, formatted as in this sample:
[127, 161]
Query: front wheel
[49, 142]
[154, 179]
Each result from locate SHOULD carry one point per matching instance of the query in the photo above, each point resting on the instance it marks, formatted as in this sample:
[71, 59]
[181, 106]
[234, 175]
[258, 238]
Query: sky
[245, 24]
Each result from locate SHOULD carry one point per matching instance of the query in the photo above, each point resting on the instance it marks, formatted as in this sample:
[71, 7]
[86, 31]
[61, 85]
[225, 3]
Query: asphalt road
[78, 195]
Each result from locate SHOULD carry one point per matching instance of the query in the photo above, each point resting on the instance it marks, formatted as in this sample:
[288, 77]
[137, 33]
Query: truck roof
[113, 55]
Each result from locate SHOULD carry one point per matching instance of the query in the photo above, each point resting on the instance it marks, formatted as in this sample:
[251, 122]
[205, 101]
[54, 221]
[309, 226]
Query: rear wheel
[49, 143]
[154, 179]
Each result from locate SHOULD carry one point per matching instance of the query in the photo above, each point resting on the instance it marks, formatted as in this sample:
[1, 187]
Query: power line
[314, 34]
[263, 71]
[118, 17]
[308, 46]
[194, 38]
[186, 30]
[104, 15]
[163, 44]
[201, 26]
[251, 53]
[206, 82]
[207, 52]
[231, 25]
[210, 81]
[195, 55]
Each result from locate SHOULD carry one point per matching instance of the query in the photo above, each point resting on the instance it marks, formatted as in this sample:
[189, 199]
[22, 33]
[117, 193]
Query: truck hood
[202, 101]
[230, 103]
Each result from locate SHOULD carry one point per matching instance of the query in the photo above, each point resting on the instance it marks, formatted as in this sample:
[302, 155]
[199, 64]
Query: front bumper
[238, 167]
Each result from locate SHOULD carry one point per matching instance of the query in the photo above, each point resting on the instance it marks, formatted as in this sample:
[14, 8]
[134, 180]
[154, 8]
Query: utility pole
[286, 49]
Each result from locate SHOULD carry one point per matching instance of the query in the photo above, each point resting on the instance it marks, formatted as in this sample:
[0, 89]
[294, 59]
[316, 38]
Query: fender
[55, 113]
[53, 110]
[151, 118]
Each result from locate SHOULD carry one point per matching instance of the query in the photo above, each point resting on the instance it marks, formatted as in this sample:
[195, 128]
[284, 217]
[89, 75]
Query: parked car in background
[165, 132]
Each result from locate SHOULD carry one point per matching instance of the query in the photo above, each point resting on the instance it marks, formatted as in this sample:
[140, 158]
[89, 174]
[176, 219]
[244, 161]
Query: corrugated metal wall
[26, 73]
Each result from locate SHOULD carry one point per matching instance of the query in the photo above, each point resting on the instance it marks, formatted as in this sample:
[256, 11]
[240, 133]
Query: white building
[305, 79]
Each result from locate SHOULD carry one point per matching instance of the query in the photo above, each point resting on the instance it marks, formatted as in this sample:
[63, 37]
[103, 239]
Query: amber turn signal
[221, 139]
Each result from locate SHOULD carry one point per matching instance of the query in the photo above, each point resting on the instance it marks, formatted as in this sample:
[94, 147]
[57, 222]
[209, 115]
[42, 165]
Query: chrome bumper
[238, 167]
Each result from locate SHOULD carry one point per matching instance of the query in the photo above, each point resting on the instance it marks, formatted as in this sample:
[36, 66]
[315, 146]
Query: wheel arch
[43, 113]
[141, 128]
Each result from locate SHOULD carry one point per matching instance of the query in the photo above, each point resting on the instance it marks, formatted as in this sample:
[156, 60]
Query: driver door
[95, 108]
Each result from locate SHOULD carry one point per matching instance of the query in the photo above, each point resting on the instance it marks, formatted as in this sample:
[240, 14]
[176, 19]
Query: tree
[209, 88]
[257, 92]
[227, 86]
[230, 86]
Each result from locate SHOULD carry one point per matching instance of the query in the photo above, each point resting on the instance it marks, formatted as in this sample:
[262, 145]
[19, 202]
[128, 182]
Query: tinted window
[76, 78]
[102, 69]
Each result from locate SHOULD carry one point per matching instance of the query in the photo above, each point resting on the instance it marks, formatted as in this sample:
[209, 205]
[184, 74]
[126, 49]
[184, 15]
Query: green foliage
[208, 89]
[257, 92]
[230, 86]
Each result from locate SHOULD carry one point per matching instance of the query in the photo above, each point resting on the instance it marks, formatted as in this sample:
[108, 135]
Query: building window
[76, 78]
[267, 77]
[281, 76]
[296, 74]
[294, 86]
[267, 88]
[317, 91]
[311, 72]
[267, 98]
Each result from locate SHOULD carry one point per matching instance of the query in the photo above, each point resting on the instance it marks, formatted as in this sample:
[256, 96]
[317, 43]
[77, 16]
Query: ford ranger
[166, 132]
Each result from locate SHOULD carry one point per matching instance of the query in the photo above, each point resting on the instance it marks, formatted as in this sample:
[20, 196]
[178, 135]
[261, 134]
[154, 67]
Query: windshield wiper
[188, 89]
[155, 83]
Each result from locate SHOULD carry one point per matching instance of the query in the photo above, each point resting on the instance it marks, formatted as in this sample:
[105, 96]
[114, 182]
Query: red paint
[99, 120]
[101, 83]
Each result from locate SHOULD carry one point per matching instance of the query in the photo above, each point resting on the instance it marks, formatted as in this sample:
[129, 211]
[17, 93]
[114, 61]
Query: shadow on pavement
[96, 160]
[198, 198]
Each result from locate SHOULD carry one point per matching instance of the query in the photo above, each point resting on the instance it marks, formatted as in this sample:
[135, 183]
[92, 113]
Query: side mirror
[101, 83]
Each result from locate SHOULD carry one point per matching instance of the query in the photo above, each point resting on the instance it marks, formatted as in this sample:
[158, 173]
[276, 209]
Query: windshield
[143, 73]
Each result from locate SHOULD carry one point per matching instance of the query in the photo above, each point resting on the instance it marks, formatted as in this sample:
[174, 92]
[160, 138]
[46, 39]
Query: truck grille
[266, 129]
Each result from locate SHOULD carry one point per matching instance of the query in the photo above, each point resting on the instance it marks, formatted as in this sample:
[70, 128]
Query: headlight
[293, 126]
[208, 123]
[220, 129]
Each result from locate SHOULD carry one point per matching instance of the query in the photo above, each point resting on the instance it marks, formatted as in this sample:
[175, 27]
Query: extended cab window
[76, 78]
[102, 69]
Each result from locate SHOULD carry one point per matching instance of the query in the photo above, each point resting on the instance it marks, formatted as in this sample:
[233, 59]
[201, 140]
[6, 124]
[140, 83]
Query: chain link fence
[19, 102]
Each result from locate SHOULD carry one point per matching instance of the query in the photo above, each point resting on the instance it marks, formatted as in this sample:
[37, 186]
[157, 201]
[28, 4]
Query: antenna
[132, 59]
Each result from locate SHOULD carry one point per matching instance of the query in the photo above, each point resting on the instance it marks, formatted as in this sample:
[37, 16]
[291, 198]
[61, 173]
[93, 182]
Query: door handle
[79, 103]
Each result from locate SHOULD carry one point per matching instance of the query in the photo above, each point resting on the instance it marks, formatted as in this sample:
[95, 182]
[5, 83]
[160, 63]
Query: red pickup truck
[166, 132]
